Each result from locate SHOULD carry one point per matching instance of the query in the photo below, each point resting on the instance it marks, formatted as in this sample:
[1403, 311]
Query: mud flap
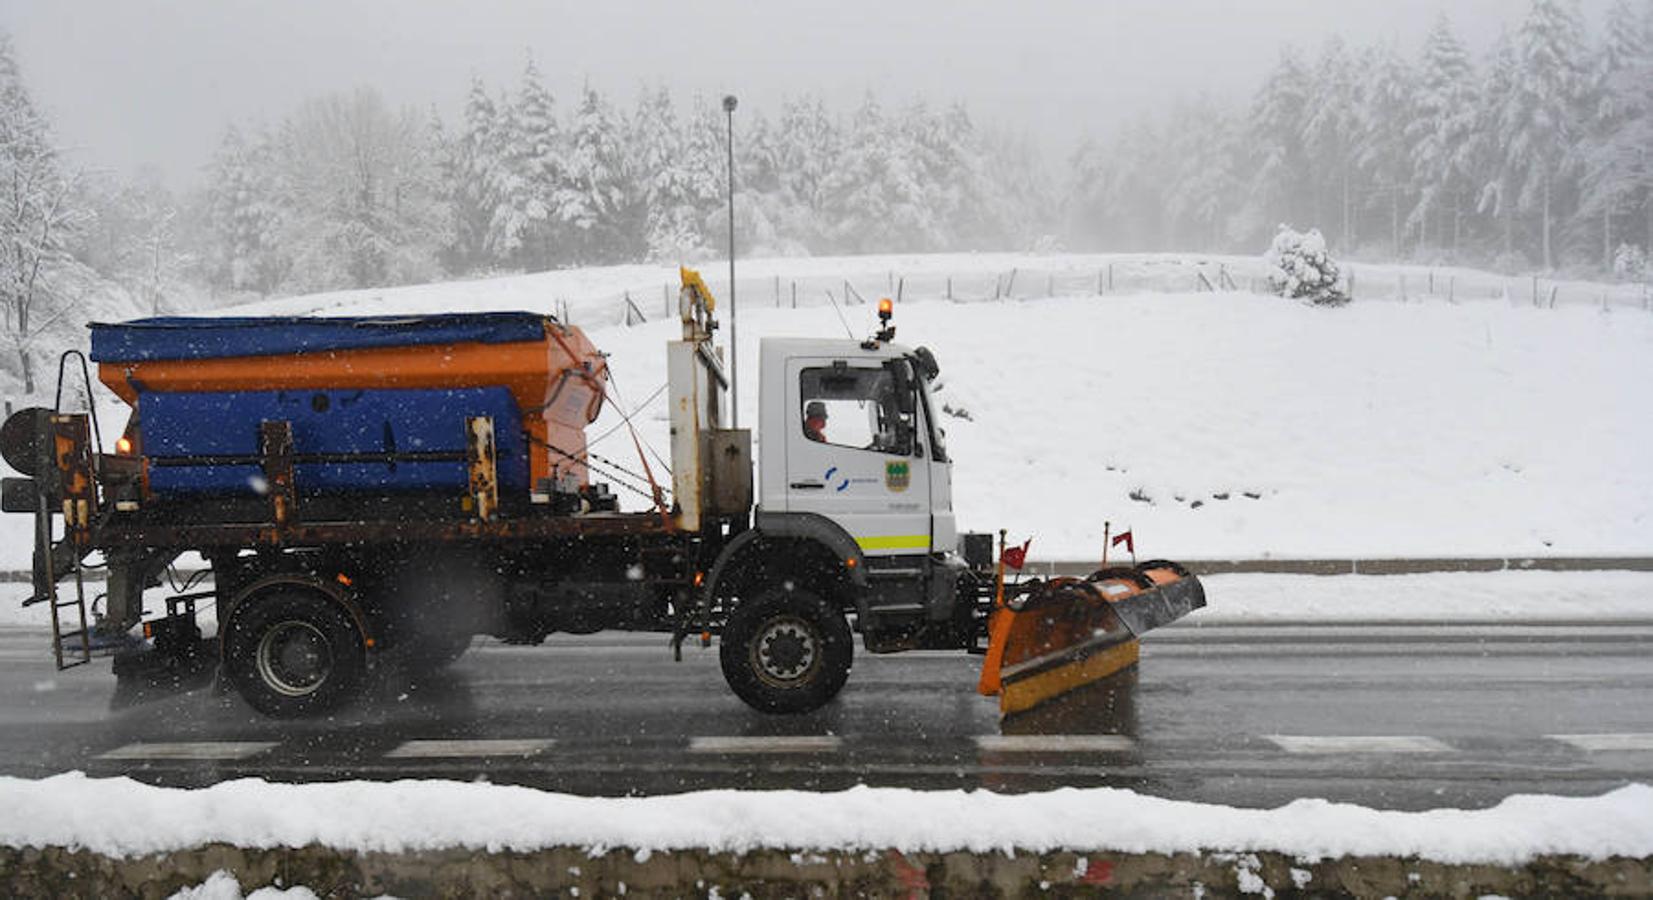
[1071, 632]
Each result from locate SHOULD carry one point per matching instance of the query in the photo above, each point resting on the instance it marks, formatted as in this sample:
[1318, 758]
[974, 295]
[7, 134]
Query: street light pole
[729, 103]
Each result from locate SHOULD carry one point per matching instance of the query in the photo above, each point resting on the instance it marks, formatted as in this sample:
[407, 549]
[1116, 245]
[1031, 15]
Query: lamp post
[729, 103]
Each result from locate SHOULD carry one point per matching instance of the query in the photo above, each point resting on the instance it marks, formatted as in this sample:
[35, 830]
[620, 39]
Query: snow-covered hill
[1212, 424]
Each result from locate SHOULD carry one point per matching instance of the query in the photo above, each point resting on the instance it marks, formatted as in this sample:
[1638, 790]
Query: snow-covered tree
[1301, 268]
[1541, 116]
[672, 225]
[807, 145]
[594, 203]
[1440, 134]
[1616, 157]
[245, 210]
[531, 179]
[1331, 132]
[1279, 157]
[472, 170]
[135, 238]
[39, 215]
[1381, 118]
[362, 194]
[1493, 164]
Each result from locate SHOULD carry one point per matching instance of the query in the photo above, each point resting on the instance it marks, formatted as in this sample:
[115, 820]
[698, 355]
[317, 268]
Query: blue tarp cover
[178, 337]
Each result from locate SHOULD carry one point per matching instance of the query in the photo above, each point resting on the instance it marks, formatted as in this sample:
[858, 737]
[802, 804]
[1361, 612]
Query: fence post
[666, 300]
[900, 287]
[794, 294]
[1110, 278]
[1554, 289]
[777, 292]
[1431, 282]
[1535, 290]
[1351, 282]
[1099, 281]
[949, 287]
[1010, 286]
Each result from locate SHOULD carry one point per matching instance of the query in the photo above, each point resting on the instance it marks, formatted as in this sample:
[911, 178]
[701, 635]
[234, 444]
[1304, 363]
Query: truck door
[943, 527]
[854, 451]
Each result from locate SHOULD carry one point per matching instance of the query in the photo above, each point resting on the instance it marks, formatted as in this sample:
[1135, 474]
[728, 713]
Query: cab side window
[857, 408]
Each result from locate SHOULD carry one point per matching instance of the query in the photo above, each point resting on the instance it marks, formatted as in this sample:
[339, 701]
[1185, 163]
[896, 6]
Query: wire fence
[1363, 282]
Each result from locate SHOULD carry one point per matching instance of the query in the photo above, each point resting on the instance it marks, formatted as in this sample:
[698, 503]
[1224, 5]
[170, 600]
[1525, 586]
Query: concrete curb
[583, 872]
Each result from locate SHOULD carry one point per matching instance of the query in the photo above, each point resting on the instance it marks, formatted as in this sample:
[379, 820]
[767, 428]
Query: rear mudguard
[1069, 632]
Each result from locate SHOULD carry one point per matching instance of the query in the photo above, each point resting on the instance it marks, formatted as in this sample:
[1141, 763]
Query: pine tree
[671, 226]
[1330, 135]
[594, 199]
[1497, 167]
[245, 210]
[1203, 188]
[533, 177]
[807, 149]
[1440, 133]
[1617, 176]
[1279, 156]
[1381, 151]
[474, 172]
[1542, 115]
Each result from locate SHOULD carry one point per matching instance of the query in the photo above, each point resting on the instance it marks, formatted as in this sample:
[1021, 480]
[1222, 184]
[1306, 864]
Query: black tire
[786, 650]
[291, 653]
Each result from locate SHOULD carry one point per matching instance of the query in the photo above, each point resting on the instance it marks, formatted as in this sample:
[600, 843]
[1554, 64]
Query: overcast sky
[132, 83]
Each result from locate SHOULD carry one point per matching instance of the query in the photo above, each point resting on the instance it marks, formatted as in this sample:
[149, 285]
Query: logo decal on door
[897, 475]
[843, 483]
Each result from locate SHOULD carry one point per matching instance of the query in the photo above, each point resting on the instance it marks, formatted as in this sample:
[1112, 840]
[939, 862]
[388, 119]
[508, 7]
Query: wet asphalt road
[1392, 716]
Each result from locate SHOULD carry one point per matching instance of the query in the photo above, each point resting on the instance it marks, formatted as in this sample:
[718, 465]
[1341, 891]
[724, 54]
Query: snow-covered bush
[1630, 264]
[1300, 268]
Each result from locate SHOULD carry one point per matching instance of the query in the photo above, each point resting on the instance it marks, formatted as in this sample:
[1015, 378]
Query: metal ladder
[43, 530]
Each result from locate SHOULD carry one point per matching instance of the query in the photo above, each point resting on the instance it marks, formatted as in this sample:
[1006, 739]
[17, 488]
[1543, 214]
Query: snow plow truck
[364, 490]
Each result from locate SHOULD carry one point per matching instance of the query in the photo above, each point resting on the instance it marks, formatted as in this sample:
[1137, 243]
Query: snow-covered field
[1214, 425]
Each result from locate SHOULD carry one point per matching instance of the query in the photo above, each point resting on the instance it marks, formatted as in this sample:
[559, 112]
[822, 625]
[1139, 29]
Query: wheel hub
[294, 658]
[786, 650]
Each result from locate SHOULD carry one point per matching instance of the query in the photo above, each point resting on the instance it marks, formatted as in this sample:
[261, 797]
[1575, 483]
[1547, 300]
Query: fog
[151, 84]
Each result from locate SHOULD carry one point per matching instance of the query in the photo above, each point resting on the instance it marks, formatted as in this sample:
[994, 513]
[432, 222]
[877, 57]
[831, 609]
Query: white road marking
[1607, 743]
[1055, 743]
[463, 749]
[768, 744]
[201, 750]
[1358, 744]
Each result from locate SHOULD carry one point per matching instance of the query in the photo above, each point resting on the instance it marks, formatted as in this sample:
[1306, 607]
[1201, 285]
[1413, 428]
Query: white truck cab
[847, 431]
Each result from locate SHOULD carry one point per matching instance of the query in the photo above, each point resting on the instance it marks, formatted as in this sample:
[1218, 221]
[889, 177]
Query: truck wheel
[292, 653]
[786, 651]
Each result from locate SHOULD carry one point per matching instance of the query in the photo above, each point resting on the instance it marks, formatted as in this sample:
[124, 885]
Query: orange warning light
[345, 580]
[124, 446]
[886, 306]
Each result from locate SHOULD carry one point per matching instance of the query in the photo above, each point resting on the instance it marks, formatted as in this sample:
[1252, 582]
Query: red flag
[1016, 557]
[1124, 537]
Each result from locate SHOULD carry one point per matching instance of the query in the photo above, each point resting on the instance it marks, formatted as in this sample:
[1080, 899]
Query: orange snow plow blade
[1069, 632]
